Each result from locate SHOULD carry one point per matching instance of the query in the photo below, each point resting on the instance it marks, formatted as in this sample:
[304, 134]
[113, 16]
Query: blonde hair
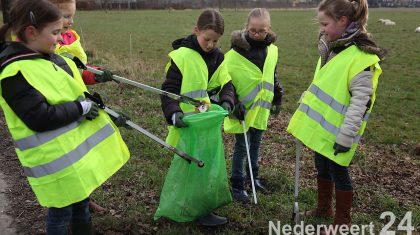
[259, 12]
[355, 10]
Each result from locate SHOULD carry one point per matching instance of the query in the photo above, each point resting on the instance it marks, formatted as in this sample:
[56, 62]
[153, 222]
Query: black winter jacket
[256, 52]
[173, 80]
[27, 102]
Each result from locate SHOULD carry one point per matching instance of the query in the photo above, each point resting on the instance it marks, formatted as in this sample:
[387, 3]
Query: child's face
[68, 10]
[330, 28]
[44, 41]
[207, 38]
[258, 28]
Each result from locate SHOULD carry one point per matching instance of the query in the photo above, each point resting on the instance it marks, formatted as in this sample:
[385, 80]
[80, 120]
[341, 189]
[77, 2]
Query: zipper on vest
[54, 66]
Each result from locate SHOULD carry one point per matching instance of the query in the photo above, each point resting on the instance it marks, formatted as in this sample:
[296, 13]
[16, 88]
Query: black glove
[340, 149]
[121, 120]
[239, 111]
[226, 106]
[105, 77]
[275, 110]
[177, 120]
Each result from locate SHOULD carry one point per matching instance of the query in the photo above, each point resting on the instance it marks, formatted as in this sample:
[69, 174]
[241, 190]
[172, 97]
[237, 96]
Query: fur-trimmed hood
[241, 39]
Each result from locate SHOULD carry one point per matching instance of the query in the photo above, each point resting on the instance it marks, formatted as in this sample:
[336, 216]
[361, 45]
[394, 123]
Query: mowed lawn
[392, 133]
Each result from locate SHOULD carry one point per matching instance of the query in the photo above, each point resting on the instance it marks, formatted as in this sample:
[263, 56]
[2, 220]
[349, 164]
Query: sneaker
[212, 220]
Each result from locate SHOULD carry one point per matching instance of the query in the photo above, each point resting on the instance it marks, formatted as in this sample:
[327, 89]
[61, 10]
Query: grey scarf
[325, 47]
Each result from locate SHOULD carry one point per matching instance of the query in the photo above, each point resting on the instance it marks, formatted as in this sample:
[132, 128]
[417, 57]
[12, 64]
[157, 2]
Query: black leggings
[330, 170]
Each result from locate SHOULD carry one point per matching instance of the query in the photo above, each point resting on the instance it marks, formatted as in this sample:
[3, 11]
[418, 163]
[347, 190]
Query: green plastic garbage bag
[190, 192]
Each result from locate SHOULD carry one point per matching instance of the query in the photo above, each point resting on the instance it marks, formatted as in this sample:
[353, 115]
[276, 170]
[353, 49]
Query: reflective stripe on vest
[330, 101]
[71, 157]
[43, 137]
[324, 97]
[324, 123]
[251, 95]
[261, 103]
[196, 94]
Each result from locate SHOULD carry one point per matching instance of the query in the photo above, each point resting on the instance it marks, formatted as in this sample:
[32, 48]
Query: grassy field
[390, 144]
[133, 194]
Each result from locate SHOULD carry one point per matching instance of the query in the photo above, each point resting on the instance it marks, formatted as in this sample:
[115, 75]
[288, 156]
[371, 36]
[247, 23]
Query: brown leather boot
[324, 205]
[343, 202]
[95, 208]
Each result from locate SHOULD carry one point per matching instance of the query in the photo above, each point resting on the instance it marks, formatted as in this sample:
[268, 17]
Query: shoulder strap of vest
[58, 60]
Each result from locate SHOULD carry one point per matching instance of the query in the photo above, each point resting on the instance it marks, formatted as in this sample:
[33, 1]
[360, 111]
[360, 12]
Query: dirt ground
[389, 170]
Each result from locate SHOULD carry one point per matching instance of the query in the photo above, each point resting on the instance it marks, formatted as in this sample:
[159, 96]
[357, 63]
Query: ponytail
[355, 10]
[361, 13]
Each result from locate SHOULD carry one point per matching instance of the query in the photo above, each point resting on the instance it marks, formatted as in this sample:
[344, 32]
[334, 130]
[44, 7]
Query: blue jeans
[59, 219]
[330, 170]
[254, 137]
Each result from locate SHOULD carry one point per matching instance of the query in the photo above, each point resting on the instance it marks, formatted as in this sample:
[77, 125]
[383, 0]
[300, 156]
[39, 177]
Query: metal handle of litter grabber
[97, 99]
[181, 98]
[157, 139]
[249, 162]
[295, 214]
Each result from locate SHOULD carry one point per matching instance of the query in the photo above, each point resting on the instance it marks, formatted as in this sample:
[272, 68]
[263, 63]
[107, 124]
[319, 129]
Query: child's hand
[89, 108]
[121, 120]
[340, 149]
[239, 111]
[177, 120]
[226, 106]
[105, 77]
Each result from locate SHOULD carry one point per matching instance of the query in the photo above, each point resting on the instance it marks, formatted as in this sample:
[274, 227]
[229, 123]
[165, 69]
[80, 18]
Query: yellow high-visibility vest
[321, 113]
[65, 165]
[195, 83]
[74, 49]
[255, 89]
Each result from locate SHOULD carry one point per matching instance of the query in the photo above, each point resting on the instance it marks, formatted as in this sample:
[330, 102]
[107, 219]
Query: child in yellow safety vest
[252, 66]
[67, 146]
[197, 70]
[70, 43]
[333, 111]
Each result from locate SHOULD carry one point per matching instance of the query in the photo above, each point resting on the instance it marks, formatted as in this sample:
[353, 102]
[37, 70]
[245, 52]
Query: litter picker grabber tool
[200, 105]
[97, 99]
[295, 215]
[249, 162]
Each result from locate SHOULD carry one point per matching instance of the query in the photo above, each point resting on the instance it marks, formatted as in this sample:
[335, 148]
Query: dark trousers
[254, 137]
[59, 219]
[330, 170]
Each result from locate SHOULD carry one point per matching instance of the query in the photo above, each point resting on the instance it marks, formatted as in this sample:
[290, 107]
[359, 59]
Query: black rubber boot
[257, 181]
[259, 186]
[212, 220]
[82, 229]
[238, 189]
